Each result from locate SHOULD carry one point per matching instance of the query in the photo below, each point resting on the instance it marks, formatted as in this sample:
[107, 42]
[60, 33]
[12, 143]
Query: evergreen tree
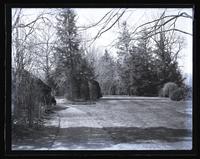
[68, 53]
[73, 70]
[137, 69]
[145, 63]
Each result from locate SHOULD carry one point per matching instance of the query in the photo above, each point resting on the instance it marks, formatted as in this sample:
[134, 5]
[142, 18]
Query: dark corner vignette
[7, 117]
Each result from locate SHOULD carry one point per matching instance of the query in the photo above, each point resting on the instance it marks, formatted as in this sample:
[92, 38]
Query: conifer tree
[68, 53]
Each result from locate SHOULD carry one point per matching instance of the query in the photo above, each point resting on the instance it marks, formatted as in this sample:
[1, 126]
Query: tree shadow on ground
[129, 134]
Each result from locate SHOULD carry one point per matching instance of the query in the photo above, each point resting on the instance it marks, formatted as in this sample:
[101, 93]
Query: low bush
[168, 88]
[178, 94]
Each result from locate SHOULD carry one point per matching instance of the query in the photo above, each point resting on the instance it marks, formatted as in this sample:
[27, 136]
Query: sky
[134, 17]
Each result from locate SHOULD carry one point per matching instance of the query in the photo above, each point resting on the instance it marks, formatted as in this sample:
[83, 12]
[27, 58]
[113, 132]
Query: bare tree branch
[178, 30]
[103, 30]
[93, 25]
[172, 17]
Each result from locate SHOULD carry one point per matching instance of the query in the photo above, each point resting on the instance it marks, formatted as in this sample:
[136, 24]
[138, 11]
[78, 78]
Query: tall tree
[145, 63]
[72, 68]
[68, 58]
[123, 48]
[167, 50]
[124, 43]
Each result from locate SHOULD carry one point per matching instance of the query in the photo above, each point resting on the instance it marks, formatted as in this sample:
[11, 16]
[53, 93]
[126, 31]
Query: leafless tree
[113, 17]
[168, 21]
[24, 51]
[45, 51]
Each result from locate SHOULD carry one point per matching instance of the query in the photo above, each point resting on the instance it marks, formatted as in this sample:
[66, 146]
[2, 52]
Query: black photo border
[6, 85]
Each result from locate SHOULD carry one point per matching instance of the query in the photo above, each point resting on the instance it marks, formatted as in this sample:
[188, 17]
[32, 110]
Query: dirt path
[79, 129]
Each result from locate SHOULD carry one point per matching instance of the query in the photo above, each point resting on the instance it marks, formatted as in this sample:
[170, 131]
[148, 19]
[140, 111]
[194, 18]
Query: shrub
[178, 94]
[29, 96]
[168, 89]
